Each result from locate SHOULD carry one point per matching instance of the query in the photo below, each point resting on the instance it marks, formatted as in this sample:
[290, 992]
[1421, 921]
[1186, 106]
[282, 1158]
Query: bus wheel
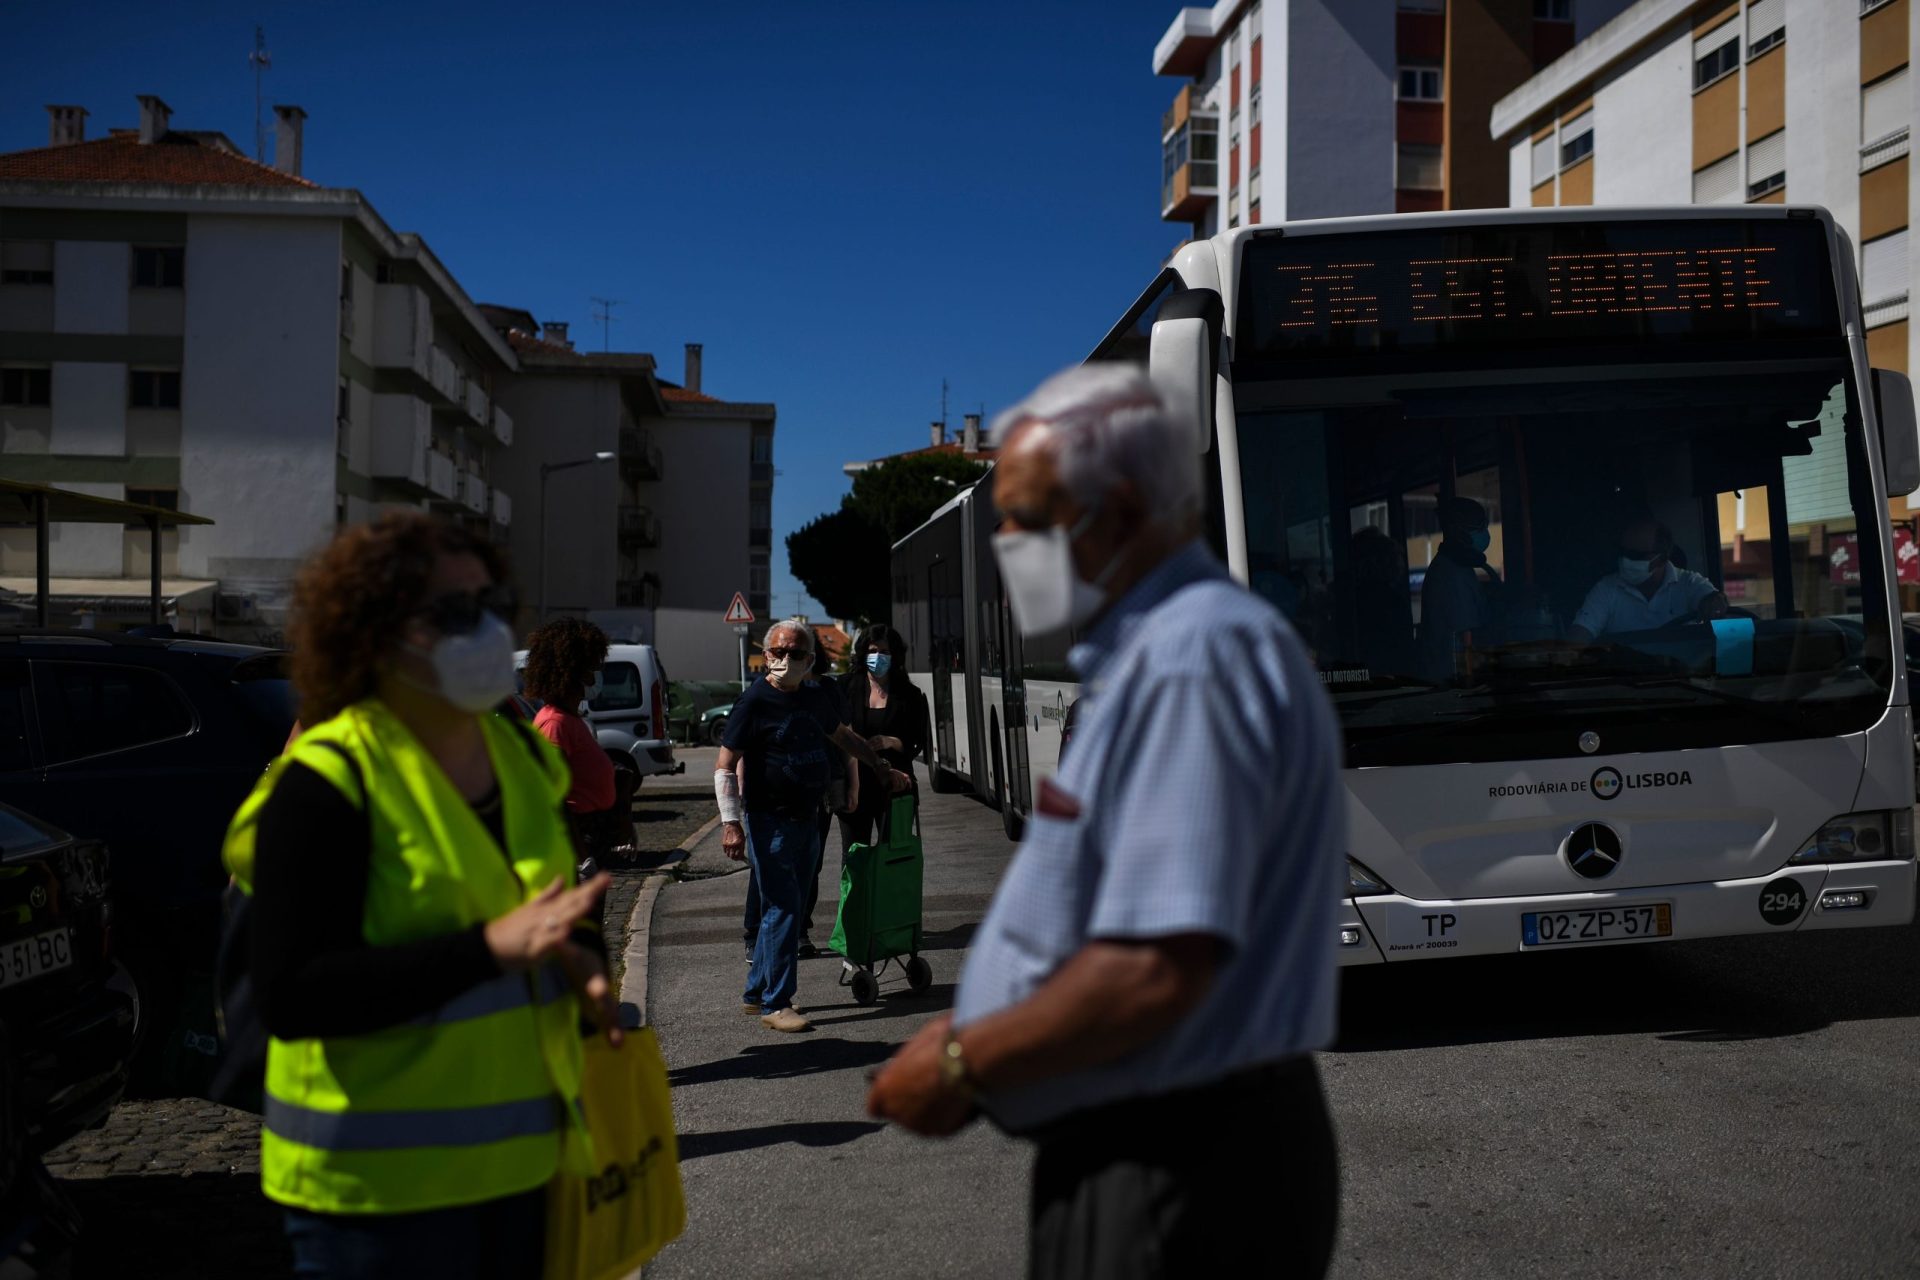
[945, 781]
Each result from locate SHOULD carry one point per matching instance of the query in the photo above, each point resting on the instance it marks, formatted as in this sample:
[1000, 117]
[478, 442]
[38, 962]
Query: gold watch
[953, 1066]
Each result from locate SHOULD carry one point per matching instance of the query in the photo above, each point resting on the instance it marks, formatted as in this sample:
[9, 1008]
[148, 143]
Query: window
[1543, 160]
[346, 299]
[1206, 150]
[1416, 167]
[1766, 26]
[759, 579]
[343, 416]
[763, 448]
[26, 386]
[159, 267]
[89, 709]
[1716, 55]
[760, 513]
[153, 389]
[168, 498]
[1576, 139]
[619, 688]
[1253, 106]
[1767, 165]
[1883, 269]
[1885, 116]
[1420, 84]
[26, 262]
[1718, 183]
[1553, 10]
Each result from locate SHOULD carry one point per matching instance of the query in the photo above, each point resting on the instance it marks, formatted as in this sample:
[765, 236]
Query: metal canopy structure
[41, 505]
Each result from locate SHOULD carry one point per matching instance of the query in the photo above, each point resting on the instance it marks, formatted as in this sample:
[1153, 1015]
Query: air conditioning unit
[232, 608]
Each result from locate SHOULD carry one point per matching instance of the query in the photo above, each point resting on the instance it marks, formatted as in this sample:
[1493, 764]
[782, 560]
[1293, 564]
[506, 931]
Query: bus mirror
[1180, 358]
[1899, 436]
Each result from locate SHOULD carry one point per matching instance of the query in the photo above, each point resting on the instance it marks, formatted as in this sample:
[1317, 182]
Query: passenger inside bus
[1647, 589]
[1454, 595]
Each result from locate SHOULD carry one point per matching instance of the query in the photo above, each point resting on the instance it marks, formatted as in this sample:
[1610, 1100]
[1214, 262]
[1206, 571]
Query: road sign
[738, 612]
[740, 628]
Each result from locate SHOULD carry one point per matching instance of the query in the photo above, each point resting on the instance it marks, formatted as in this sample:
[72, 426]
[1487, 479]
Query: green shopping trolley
[879, 919]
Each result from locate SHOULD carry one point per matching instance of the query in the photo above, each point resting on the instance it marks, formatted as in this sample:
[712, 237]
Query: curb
[633, 982]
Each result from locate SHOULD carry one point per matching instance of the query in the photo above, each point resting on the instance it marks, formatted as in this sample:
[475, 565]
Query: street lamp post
[547, 469]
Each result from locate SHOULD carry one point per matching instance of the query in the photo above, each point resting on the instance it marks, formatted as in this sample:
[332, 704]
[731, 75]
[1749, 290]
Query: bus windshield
[1494, 548]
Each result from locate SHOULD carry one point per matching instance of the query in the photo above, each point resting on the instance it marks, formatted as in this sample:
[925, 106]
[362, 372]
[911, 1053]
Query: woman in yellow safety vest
[418, 958]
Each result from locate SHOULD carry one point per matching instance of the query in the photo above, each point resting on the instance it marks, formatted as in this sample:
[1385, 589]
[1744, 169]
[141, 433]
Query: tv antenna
[943, 402]
[259, 59]
[603, 312]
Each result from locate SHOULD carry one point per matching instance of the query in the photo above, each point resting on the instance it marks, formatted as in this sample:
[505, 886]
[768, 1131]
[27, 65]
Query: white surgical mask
[1635, 572]
[474, 670]
[786, 673]
[1046, 593]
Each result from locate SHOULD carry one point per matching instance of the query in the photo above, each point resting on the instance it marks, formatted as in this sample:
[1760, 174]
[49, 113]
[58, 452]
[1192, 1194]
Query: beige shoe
[786, 1020]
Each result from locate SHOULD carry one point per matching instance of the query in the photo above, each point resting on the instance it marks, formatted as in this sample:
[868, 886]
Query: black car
[68, 1010]
[148, 745]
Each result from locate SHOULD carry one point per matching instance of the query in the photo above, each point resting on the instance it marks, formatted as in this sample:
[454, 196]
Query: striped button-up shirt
[1201, 795]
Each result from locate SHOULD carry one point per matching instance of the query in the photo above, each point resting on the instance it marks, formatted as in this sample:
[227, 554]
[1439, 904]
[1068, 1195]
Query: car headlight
[1362, 883]
[1879, 836]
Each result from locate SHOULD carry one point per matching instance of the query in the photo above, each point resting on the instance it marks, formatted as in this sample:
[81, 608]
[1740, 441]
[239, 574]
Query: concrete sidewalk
[784, 1173]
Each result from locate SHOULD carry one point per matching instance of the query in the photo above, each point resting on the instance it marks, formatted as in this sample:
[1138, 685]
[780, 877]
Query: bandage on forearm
[726, 793]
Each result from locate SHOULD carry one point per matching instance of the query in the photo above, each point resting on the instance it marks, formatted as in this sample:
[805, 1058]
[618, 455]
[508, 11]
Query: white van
[629, 716]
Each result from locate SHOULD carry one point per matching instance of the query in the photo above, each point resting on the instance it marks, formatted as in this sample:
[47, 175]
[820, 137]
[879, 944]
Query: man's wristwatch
[953, 1066]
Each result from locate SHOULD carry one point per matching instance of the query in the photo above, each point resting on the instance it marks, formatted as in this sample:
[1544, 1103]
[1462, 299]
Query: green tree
[842, 557]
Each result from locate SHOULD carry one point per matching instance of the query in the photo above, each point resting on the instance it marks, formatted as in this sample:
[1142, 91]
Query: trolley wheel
[866, 987]
[919, 974]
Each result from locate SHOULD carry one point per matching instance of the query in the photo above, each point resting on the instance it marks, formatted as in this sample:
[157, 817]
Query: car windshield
[20, 834]
[1488, 567]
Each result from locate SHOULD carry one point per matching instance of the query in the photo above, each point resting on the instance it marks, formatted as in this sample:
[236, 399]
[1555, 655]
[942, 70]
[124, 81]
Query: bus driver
[1647, 590]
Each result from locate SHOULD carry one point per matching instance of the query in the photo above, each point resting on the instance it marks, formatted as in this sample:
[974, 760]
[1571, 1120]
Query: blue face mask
[1480, 539]
[880, 664]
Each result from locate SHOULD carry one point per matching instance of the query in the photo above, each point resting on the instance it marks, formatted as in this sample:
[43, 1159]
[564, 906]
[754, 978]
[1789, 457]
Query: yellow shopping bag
[610, 1224]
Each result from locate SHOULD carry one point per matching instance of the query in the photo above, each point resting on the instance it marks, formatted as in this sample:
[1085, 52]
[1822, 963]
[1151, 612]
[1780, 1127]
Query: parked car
[629, 716]
[713, 723]
[148, 745]
[69, 1009]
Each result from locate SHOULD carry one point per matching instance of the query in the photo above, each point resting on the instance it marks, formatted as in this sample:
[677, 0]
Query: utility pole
[259, 60]
[603, 312]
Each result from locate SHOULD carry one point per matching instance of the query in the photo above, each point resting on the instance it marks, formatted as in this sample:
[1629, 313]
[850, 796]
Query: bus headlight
[1879, 836]
[1362, 883]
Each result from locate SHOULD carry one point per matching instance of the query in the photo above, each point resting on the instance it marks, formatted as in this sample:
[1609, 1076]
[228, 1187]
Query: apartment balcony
[640, 457]
[1189, 158]
[759, 539]
[760, 473]
[446, 378]
[502, 507]
[441, 475]
[402, 329]
[639, 527]
[502, 426]
[642, 592]
[474, 494]
[402, 436]
[476, 402]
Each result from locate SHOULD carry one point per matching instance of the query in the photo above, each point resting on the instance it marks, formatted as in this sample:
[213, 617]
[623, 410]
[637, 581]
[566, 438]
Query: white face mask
[1635, 572]
[787, 673]
[1046, 593]
[474, 671]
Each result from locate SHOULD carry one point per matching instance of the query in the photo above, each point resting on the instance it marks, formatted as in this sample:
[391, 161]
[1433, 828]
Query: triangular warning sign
[738, 611]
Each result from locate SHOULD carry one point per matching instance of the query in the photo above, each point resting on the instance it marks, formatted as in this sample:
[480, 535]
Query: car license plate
[1622, 923]
[28, 958]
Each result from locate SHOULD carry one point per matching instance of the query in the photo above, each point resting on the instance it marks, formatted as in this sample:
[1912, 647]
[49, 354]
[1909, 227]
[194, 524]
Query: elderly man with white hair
[1144, 995]
[783, 726]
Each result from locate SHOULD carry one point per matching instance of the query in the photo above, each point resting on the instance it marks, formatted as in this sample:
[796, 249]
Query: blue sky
[845, 202]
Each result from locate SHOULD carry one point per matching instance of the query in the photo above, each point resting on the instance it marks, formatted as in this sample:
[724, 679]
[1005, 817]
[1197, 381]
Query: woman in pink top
[563, 663]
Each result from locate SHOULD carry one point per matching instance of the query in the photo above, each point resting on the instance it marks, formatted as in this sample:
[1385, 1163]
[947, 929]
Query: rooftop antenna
[603, 312]
[259, 60]
[943, 403]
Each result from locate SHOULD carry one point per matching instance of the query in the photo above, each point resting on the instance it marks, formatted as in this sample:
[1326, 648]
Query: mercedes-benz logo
[1589, 742]
[1593, 851]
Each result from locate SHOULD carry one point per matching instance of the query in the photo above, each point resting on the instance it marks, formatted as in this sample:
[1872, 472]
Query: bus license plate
[28, 958]
[1597, 924]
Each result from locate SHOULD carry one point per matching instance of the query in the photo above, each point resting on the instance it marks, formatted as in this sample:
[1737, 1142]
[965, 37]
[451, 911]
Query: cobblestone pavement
[171, 1188]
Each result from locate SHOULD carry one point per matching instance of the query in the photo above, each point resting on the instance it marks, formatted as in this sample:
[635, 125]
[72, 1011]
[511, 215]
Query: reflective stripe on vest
[395, 1130]
[496, 995]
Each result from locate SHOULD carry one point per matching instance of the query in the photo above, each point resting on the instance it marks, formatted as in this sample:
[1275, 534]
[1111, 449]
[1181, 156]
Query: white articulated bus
[1553, 379]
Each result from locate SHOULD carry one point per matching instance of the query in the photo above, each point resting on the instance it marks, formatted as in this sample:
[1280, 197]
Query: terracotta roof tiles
[177, 159]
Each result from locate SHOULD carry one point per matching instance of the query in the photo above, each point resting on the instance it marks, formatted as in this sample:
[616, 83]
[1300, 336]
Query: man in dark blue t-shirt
[784, 727]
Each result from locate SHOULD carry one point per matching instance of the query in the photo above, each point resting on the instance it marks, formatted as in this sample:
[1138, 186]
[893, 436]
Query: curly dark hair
[561, 656]
[353, 600]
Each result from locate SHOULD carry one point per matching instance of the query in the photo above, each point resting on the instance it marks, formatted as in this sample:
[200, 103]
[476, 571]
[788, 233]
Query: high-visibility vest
[479, 1098]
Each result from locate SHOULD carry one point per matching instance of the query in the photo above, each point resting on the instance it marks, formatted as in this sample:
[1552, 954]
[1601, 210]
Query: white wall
[258, 393]
[702, 502]
[1642, 141]
[560, 418]
[1823, 108]
[1520, 173]
[694, 644]
[1338, 79]
[91, 282]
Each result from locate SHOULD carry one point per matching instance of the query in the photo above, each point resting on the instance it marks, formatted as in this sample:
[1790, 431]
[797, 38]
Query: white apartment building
[1776, 101]
[183, 326]
[1326, 108]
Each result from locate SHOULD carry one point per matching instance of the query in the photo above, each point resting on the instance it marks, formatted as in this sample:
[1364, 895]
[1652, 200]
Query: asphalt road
[1736, 1108]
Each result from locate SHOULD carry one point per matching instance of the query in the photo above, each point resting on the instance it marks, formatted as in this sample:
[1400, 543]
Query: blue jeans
[504, 1238]
[784, 853]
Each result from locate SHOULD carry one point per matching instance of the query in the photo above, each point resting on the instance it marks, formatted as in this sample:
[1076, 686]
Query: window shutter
[1884, 108]
[1545, 159]
[1582, 123]
[1764, 17]
[1718, 183]
[1883, 268]
[1707, 43]
[1767, 156]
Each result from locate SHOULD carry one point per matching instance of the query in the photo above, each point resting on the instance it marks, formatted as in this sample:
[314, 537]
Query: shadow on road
[1749, 988]
[813, 1133]
[163, 1227]
[801, 1056]
[893, 1004]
